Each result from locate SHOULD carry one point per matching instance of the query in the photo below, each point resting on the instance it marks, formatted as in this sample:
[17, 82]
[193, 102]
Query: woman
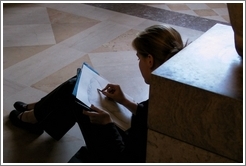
[57, 112]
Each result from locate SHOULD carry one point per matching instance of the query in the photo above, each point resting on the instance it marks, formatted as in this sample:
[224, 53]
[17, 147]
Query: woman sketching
[57, 112]
[118, 113]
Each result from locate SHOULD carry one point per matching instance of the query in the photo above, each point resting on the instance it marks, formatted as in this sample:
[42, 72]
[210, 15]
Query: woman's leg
[28, 117]
[53, 113]
[104, 142]
[30, 106]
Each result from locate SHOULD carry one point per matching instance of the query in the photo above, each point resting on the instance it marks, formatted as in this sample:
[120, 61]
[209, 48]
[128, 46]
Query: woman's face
[145, 65]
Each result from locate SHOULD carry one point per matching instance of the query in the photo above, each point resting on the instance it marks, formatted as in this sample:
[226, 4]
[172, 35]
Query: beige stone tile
[25, 15]
[41, 65]
[178, 6]
[189, 12]
[27, 35]
[95, 36]
[221, 11]
[126, 20]
[26, 26]
[64, 31]
[65, 25]
[13, 55]
[10, 88]
[217, 5]
[197, 6]
[205, 12]
[60, 17]
[52, 81]
[158, 5]
[121, 43]
[114, 59]
[226, 18]
[82, 10]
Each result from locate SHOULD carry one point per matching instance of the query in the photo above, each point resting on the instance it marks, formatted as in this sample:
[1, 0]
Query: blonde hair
[162, 42]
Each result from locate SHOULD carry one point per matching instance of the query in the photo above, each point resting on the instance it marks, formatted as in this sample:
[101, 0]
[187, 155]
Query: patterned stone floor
[44, 44]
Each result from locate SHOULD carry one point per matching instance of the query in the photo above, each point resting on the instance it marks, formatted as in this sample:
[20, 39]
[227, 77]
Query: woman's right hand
[114, 92]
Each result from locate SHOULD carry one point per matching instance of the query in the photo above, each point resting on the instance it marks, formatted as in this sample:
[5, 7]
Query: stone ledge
[165, 149]
[197, 96]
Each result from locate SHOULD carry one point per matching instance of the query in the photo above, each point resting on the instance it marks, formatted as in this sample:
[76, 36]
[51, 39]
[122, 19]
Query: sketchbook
[85, 90]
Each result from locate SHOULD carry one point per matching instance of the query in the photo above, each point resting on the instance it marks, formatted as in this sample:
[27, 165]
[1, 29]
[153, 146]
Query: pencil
[99, 90]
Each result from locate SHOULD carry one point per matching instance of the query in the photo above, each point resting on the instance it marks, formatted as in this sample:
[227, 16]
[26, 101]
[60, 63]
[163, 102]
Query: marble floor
[44, 44]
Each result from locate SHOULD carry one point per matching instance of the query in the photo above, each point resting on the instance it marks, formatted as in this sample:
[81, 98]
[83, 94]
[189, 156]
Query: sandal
[33, 128]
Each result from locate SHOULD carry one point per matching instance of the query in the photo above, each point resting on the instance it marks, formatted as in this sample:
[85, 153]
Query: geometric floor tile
[121, 43]
[55, 79]
[65, 25]
[27, 35]
[13, 55]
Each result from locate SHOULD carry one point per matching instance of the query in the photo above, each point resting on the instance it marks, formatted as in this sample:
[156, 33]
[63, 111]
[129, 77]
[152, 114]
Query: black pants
[57, 112]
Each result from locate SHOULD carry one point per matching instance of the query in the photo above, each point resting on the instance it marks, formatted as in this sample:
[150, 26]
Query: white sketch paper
[87, 93]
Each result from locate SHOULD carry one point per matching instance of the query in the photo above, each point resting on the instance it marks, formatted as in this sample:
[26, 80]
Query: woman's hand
[98, 116]
[114, 92]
